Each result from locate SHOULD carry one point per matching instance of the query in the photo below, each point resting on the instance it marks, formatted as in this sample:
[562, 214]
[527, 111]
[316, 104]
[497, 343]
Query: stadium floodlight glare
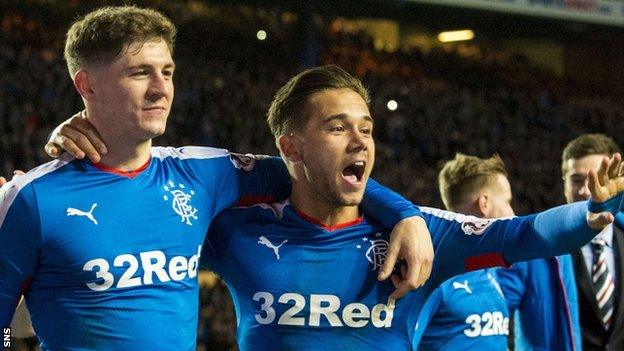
[456, 35]
[261, 34]
[392, 105]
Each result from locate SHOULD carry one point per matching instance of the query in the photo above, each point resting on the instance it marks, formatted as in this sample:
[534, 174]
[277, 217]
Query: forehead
[332, 102]
[583, 164]
[154, 52]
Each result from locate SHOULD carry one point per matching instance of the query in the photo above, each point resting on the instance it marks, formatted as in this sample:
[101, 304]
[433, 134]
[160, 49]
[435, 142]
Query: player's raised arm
[465, 243]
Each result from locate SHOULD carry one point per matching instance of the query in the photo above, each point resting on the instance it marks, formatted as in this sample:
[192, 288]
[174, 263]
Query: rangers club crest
[376, 253]
[180, 201]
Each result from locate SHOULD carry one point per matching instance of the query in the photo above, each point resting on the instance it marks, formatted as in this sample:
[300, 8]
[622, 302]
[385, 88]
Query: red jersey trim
[25, 286]
[485, 261]
[327, 227]
[120, 172]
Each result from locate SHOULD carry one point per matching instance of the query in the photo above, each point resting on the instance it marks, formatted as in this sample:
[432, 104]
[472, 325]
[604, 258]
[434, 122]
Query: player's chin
[155, 129]
[351, 198]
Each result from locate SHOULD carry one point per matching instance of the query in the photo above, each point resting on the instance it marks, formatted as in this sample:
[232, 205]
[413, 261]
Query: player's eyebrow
[343, 116]
[146, 66]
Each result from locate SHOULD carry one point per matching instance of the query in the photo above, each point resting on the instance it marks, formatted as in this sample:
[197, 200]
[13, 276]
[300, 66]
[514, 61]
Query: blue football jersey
[108, 261]
[543, 292]
[467, 312]
[297, 285]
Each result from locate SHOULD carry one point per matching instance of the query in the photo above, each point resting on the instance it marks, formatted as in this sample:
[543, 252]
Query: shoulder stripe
[188, 152]
[453, 216]
[9, 191]
[448, 215]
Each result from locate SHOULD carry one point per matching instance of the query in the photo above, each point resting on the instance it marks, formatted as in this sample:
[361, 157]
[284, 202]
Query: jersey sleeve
[386, 206]
[465, 243]
[211, 248]
[218, 239]
[237, 179]
[512, 281]
[19, 246]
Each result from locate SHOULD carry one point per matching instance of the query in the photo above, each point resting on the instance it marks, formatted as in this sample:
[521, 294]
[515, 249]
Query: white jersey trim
[470, 225]
[9, 191]
[448, 215]
[454, 216]
[188, 152]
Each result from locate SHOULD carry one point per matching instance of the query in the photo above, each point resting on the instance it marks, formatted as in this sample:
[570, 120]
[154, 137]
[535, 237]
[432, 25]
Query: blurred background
[516, 77]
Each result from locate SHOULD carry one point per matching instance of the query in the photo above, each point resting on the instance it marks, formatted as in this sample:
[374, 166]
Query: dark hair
[287, 108]
[101, 35]
[588, 144]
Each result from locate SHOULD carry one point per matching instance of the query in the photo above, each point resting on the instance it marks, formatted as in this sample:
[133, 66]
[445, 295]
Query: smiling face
[336, 147]
[131, 96]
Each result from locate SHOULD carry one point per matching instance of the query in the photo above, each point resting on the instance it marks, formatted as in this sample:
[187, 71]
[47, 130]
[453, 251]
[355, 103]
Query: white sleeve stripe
[9, 191]
[452, 216]
[188, 152]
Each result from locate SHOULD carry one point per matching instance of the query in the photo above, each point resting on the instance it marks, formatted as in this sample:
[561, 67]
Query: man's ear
[482, 204]
[289, 146]
[83, 84]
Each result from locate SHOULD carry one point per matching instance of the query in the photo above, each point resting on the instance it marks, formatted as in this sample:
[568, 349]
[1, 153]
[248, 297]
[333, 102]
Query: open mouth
[354, 172]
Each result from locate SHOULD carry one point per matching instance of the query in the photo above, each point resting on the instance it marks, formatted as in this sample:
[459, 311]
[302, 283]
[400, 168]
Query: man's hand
[410, 240]
[603, 184]
[78, 137]
[17, 173]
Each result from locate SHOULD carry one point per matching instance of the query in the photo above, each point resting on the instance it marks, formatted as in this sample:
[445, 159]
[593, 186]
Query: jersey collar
[326, 227]
[120, 172]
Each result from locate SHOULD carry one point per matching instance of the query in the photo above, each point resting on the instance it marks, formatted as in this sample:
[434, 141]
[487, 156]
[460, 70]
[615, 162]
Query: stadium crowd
[448, 101]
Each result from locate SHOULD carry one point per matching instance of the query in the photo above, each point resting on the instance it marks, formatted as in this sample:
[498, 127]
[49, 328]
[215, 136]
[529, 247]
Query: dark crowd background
[471, 98]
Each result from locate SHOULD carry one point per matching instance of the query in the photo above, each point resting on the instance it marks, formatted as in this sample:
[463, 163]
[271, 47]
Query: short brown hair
[588, 144]
[101, 35]
[462, 176]
[287, 108]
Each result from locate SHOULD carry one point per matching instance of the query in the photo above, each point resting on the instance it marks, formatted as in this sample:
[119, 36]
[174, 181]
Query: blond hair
[464, 175]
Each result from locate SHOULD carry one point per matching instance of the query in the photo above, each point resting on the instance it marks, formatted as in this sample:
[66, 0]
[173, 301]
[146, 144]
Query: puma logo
[76, 212]
[458, 285]
[264, 241]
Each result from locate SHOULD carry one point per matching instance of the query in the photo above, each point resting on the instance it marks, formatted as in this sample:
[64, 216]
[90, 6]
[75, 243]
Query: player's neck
[321, 210]
[126, 157]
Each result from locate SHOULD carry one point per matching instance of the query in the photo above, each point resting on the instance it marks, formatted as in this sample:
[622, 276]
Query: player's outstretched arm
[566, 228]
[78, 137]
[466, 243]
